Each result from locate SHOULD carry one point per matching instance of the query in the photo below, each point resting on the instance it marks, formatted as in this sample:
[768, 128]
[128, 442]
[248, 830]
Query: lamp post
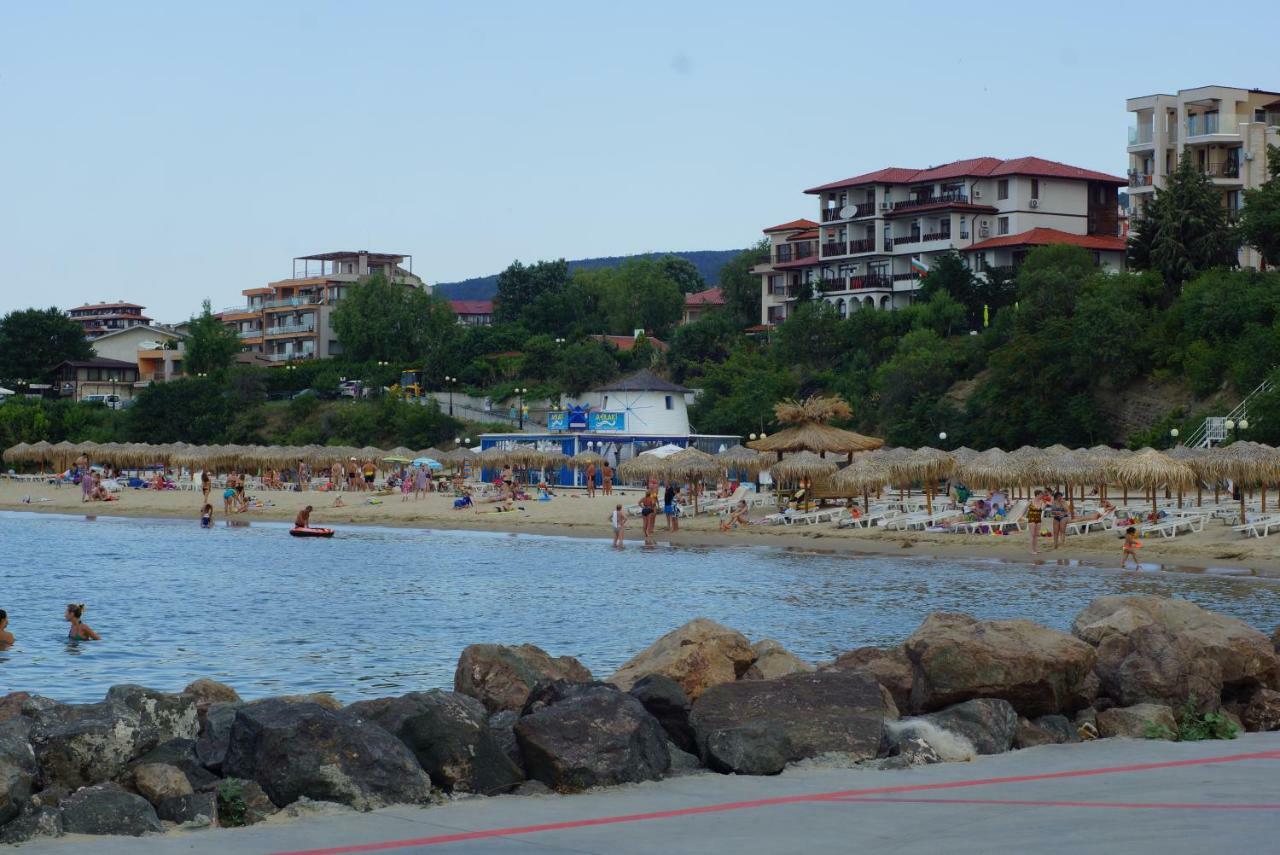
[1173, 436]
[942, 439]
[111, 403]
[1236, 426]
[520, 393]
[448, 382]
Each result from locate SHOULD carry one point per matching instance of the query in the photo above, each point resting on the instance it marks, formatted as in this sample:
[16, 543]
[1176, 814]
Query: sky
[165, 153]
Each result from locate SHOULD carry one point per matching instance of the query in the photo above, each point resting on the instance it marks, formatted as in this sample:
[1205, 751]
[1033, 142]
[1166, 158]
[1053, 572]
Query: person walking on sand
[79, 631]
[648, 514]
[206, 484]
[606, 479]
[1129, 549]
[618, 519]
[1035, 513]
[591, 480]
[669, 508]
[1060, 513]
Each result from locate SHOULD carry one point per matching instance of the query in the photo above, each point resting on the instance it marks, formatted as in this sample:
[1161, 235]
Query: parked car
[111, 402]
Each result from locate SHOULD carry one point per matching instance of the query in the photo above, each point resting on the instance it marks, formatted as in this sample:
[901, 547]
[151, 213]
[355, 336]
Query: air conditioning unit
[977, 194]
[884, 206]
[984, 232]
[1035, 203]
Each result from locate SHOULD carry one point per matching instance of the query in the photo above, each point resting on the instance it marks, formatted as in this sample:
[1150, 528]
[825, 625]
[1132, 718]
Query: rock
[546, 694]
[1045, 730]
[989, 724]
[107, 809]
[181, 754]
[698, 655]
[1262, 713]
[667, 702]
[1162, 651]
[160, 716]
[209, 692]
[502, 727]
[301, 749]
[760, 747]
[682, 762]
[1139, 721]
[1275, 639]
[774, 660]
[449, 735]
[1086, 723]
[15, 704]
[532, 788]
[909, 751]
[18, 769]
[241, 802]
[889, 666]
[826, 711]
[502, 677]
[158, 781]
[595, 737]
[958, 658]
[196, 809]
[215, 735]
[40, 822]
[323, 699]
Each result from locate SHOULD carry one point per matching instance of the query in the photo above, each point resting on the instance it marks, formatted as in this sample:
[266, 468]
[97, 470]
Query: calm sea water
[379, 611]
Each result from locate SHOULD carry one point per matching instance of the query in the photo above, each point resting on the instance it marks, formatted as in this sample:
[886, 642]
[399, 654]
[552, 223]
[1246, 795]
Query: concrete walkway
[1107, 796]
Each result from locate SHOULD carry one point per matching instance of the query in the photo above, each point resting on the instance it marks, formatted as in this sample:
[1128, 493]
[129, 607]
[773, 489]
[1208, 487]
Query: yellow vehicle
[411, 384]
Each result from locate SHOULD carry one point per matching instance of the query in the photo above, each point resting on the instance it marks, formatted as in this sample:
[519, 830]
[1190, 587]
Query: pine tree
[1260, 220]
[1187, 230]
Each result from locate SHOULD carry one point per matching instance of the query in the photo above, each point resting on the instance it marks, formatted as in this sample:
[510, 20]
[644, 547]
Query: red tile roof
[625, 343]
[471, 307]
[973, 167]
[810, 234]
[709, 297]
[793, 225]
[1047, 237]
[807, 261]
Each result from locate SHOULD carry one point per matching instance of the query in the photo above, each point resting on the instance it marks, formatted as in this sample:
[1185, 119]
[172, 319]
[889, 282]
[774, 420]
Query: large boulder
[1140, 721]
[449, 734]
[989, 724]
[18, 769]
[827, 711]
[197, 809]
[208, 692]
[160, 716]
[756, 748]
[502, 677]
[156, 782]
[107, 809]
[17, 704]
[889, 666]
[215, 734]
[594, 736]
[773, 660]
[39, 822]
[1046, 730]
[1157, 650]
[181, 754]
[503, 727]
[1262, 712]
[698, 655]
[667, 702]
[958, 658]
[300, 749]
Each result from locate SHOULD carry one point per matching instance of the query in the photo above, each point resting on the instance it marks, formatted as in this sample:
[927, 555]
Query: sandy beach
[572, 514]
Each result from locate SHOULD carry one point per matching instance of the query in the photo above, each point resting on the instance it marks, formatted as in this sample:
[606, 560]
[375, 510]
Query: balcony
[250, 334]
[937, 236]
[1229, 169]
[938, 199]
[1141, 135]
[854, 283]
[858, 246]
[289, 357]
[799, 252]
[835, 248]
[1139, 179]
[902, 277]
[898, 241]
[829, 214]
[863, 209]
[292, 329]
[291, 301]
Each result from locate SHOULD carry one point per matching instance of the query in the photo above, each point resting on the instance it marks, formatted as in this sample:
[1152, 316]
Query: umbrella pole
[1243, 521]
[1264, 500]
[1199, 496]
[1071, 500]
[1155, 511]
[928, 497]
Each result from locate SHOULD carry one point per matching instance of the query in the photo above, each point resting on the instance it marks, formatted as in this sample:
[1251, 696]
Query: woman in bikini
[79, 631]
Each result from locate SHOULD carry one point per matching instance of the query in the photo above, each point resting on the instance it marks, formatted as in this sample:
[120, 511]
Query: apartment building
[876, 234]
[291, 319]
[101, 318]
[1225, 130]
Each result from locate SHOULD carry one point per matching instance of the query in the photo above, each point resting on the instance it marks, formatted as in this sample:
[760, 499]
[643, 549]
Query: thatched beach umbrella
[642, 467]
[1247, 464]
[809, 430]
[926, 465]
[963, 455]
[583, 459]
[741, 459]
[802, 468]
[1150, 470]
[494, 456]
[694, 466]
[1200, 463]
[991, 470]
[16, 453]
[1074, 467]
[866, 474]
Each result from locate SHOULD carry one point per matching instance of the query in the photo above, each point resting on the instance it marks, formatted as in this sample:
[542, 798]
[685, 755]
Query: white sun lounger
[1260, 527]
[1106, 521]
[1171, 527]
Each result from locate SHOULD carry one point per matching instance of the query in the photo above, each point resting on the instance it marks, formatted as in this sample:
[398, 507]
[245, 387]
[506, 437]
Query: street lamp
[1236, 426]
[942, 437]
[520, 393]
[112, 402]
[449, 381]
[1173, 436]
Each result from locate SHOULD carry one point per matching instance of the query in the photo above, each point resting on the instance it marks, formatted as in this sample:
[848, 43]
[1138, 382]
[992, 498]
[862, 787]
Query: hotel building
[875, 235]
[101, 318]
[290, 320]
[1225, 130]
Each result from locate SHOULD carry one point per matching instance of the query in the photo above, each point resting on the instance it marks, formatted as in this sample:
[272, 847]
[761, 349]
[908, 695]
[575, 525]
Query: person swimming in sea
[6, 637]
[79, 631]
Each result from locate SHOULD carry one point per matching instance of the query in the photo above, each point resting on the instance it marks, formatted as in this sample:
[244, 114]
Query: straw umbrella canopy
[1074, 467]
[1248, 464]
[458, 457]
[1151, 469]
[16, 453]
[799, 467]
[583, 459]
[495, 456]
[1032, 463]
[963, 455]
[868, 472]
[926, 465]
[742, 459]
[992, 469]
[695, 466]
[1201, 464]
[809, 430]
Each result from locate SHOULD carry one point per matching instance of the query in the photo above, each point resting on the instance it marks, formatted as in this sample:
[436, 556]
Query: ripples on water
[382, 611]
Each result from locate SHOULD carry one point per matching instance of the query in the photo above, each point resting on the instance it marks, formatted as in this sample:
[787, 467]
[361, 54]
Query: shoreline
[1206, 553]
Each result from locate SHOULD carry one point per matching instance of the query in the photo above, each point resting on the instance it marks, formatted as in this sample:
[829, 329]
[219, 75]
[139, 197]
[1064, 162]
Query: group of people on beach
[606, 479]
[74, 614]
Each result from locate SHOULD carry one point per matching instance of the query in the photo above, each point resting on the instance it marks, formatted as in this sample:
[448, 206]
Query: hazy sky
[168, 152]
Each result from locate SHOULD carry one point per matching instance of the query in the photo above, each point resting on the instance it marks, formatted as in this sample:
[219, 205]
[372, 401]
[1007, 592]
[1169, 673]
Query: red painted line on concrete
[485, 834]
[1068, 804]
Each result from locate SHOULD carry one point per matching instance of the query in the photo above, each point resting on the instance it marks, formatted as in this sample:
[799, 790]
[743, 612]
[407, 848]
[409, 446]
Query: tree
[212, 346]
[1188, 227]
[949, 275]
[683, 272]
[33, 341]
[1259, 225]
[740, 287]
[519, 287]
[637, 294]
[383, 320]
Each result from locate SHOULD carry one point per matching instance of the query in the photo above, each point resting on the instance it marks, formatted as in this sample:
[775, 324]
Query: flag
[918, 266]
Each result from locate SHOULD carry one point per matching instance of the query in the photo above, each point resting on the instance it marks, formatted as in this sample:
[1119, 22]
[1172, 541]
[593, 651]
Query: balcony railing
[829, 214]
[835, 248]
[797, 253]
[902, 277]
[292, 301]
[1139, 179]
[1222, 169]
[937, 236]
[857, 246]
[855, 283]
[291, 329]
[1140, 135]
[938, 199]
[250, 333]
[862, 209]
[898, 241]
[289, 357]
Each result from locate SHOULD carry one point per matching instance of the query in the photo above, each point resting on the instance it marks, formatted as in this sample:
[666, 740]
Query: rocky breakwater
[702, 697]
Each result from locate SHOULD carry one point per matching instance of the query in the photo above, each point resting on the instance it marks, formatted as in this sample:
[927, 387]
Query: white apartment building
[1226, 131]
[290, 320]
[876, 234]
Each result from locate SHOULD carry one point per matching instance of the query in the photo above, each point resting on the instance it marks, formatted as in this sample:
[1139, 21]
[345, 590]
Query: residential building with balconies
[877, 233]
[101, 318]
[291, 319]
[1224, 129]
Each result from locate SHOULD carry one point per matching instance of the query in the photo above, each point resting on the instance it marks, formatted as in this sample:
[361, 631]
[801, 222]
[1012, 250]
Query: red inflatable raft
[311, 532]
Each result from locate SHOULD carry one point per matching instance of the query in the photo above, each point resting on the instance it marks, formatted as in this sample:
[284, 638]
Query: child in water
[79, 631]
[206, 516]
[1130, 548]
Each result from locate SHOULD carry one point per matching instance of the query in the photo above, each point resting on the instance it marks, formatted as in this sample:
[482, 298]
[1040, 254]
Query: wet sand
[571, 513]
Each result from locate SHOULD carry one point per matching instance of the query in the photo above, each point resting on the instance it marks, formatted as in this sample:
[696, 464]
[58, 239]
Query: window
[1002, 188]
[1002, 226]
[964, 227]
[1035, 188]
[670, 403]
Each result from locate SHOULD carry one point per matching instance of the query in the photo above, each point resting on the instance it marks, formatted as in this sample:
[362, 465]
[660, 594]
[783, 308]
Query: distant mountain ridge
[708, 262]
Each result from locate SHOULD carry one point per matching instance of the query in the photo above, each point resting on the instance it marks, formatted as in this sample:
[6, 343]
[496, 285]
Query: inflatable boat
[311, 532]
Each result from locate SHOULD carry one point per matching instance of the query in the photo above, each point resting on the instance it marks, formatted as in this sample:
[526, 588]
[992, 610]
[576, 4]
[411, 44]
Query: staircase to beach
[1214, 429]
